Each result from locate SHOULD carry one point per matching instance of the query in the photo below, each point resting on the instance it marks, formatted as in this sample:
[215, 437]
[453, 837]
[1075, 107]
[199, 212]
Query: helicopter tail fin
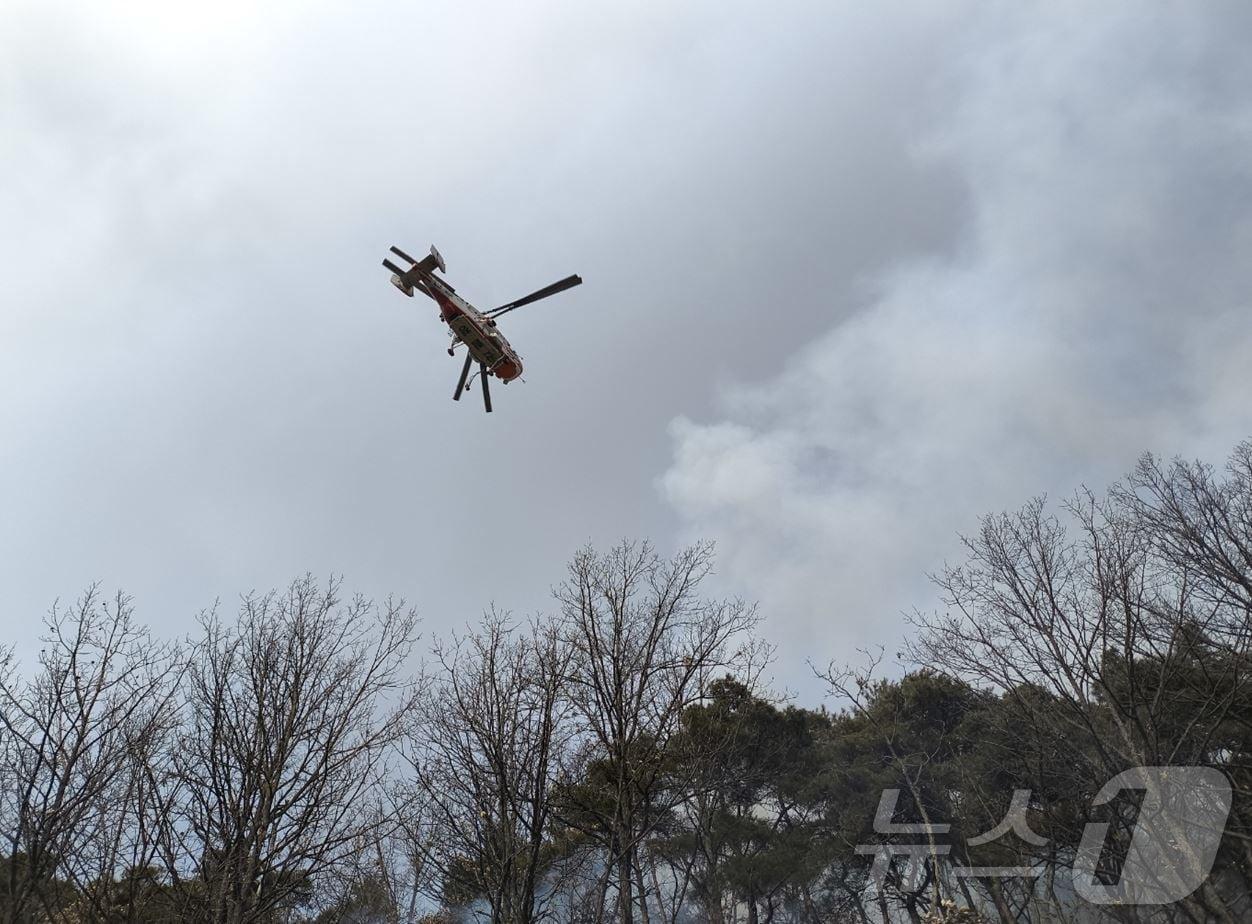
[397, 278]
[426, 264]
[407, 281]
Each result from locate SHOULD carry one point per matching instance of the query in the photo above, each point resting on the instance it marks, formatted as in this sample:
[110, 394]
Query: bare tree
[1128, 638]
[389, 875]
[645, 645]
[73, 741]
[289, 717]
[486, 759]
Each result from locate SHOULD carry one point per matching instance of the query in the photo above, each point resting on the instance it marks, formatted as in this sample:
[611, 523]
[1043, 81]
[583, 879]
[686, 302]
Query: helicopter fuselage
[479, 334]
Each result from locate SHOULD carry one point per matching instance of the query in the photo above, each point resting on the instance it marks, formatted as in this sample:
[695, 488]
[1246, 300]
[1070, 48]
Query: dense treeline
[621, 760]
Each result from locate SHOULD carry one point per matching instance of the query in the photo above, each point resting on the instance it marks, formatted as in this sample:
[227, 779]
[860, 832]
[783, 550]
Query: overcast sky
[855, 274]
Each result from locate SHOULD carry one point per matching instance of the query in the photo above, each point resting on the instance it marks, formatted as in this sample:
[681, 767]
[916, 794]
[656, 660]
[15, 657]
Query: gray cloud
[853, 243]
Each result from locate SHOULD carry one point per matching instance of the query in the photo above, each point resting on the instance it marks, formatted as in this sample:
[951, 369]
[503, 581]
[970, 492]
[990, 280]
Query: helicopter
[476, 330]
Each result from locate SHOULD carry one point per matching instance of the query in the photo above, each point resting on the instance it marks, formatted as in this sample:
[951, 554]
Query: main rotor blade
[460, 386]
[482, 374]
[567, 283]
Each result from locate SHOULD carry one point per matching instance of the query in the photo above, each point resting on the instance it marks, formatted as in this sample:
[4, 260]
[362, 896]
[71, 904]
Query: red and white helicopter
[484, 344]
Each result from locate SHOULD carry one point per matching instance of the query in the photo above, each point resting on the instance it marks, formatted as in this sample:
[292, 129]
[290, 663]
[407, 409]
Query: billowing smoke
[1096, 305]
